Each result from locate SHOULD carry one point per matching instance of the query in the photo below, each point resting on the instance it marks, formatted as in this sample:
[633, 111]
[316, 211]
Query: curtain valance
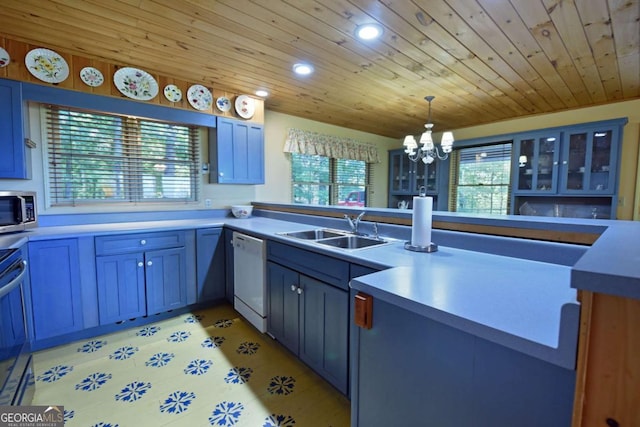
[307, 142]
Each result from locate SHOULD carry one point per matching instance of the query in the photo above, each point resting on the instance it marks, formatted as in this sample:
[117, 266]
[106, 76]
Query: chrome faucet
[354, 221]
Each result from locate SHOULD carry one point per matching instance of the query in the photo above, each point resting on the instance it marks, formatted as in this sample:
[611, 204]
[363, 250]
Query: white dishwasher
[249, 279]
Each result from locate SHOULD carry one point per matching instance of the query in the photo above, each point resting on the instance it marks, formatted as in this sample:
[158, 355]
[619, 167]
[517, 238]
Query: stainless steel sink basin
[314, 234]
[335, 238]
[352, 242]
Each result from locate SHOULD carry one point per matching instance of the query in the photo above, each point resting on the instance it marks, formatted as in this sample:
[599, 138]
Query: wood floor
[206, 368]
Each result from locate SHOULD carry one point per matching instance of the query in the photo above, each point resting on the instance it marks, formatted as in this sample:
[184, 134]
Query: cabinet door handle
[293, 288]
[299, 291]
[143, 242]
[149, 263]
[140, 264]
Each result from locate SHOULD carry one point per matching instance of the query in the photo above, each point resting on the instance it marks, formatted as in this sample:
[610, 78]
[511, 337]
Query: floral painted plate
[199, 97]
[172, 93]
[47, 65]
[135, 83]
[223, 104]
[245, 106]
[4, 58]
[91, 76]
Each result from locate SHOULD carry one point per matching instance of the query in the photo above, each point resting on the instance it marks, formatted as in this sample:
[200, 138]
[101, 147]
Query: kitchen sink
[314, 234]
[335, 238]
[352, 242]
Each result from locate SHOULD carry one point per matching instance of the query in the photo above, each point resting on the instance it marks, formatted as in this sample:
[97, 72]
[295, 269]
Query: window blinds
[98, 158]
[480, 178]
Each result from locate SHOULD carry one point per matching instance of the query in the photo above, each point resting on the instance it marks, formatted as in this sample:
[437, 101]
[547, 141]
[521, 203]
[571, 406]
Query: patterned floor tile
[207, 368]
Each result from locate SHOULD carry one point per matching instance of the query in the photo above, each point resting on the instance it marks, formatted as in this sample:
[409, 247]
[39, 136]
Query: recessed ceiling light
[303, 69]
[262, 93]
[368, 31]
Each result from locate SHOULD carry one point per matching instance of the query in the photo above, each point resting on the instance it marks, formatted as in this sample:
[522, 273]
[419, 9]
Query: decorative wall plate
[135, 83]
[245, 106]
[199, 97]
[47, 65]
[4, 58]
[223, 104]
[91, 76]
[172, 93]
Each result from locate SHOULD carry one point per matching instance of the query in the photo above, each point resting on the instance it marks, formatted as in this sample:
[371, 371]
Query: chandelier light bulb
[428, 152]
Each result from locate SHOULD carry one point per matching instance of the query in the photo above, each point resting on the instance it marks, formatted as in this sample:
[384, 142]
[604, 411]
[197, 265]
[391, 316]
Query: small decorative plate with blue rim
[47, 65]
[172, 93]
[91, 76]
[199, 97]
[135, 83]
[4, 58]
[223, 104]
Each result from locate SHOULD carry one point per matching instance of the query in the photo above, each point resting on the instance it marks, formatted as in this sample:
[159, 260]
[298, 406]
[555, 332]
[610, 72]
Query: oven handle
[15, 282]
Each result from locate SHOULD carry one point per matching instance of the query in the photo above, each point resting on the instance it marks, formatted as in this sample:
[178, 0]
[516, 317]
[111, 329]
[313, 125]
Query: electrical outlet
[207, 203]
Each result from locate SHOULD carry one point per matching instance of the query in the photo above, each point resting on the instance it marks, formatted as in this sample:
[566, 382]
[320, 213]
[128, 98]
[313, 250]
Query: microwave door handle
[23, 209]
[15, 282]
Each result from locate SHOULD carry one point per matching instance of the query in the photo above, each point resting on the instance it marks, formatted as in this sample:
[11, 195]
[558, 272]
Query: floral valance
[306, 142]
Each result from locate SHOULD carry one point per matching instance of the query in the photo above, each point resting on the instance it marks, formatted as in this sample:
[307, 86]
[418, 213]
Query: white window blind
[320, 180]
[95, 157]
[480, 178]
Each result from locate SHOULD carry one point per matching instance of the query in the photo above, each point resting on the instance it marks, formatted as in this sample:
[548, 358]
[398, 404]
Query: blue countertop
[529, 306]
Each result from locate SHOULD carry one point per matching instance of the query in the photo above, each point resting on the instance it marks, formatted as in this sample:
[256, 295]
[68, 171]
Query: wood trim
[515, 232]
[608, 377]
[586, 305]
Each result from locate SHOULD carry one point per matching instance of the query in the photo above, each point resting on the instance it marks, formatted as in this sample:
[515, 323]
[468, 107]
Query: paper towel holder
[431, 248]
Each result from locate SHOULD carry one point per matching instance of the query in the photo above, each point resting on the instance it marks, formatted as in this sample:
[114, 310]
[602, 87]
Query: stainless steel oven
[17, 211]
[16, 367]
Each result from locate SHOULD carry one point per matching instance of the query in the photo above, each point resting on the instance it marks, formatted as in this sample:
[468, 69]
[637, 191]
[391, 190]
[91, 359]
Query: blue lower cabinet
[56, 287]
[210, 265]
[418, 371]
[143, 274]
[283, 306]
[310, 318]
[324, 332]
[166, 279]
[228, 259]
[121, 291]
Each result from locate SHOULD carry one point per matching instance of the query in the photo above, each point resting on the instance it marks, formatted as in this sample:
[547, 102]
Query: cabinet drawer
[122, 243]
[321, 267]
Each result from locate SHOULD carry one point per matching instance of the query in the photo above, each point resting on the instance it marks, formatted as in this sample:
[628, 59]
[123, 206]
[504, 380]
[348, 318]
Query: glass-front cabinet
[537, 167]
[590, 158]
[570, 171]
[407, 177]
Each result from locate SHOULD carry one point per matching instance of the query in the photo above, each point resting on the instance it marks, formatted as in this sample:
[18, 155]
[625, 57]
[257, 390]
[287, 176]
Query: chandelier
[428, 152]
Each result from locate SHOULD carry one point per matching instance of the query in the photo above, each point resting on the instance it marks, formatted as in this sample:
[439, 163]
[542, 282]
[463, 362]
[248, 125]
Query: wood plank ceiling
[483, 60]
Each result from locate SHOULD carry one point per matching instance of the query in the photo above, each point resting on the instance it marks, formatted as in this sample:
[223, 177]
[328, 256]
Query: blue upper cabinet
[236, 152]
[14, 161]
[536, 167]
[590, 160]
[580, 161]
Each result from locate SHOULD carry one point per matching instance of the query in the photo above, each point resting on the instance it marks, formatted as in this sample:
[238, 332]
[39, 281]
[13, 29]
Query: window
[481, 179]
[106, 158]
[320, 180]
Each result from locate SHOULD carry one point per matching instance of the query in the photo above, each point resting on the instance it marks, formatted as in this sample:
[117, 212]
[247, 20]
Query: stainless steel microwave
[17, 211]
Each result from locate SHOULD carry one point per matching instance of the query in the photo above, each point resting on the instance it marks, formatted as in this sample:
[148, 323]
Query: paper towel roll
[421, 221]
